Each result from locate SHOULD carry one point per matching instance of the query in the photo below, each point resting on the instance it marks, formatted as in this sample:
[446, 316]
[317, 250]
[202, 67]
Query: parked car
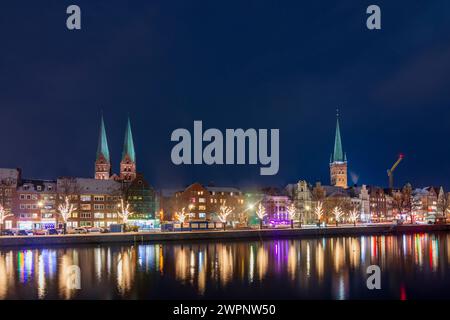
[8, 232]
[52, 231]
[40, 232]
[25, 233]
[80, 230]
[95, 230]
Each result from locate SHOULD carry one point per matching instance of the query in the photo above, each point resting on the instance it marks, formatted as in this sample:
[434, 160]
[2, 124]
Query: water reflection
[333, 268]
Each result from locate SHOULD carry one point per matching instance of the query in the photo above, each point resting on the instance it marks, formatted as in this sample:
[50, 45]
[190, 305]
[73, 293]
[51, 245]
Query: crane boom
[390, 172]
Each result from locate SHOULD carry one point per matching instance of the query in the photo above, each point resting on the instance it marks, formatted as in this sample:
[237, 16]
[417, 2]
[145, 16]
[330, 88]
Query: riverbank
[139, 237]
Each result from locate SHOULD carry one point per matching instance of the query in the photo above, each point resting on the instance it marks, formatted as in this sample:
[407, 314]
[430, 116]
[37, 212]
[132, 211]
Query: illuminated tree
[354, 215]
[181, 216]
[318, 211]
[65, 210]
[125, 211]
[261, 213]
[3, 216]
[292, 212]
[337, 214]
[224, 212]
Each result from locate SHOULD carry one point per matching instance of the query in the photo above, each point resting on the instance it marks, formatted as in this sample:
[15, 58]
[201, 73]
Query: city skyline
[338, 156]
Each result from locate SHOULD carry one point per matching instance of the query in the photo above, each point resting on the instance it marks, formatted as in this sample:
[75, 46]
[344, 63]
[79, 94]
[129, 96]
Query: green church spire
[338, 154]
[128, 144]
[102, 148]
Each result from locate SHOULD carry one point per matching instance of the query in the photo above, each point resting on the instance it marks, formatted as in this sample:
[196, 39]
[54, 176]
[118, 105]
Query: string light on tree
[292, 212]
[181, 216]
[354, 215]
[318, 211]
[337, 214]
[3, 216]
[124, 211]
[224, 212]
[65, 210]
[261, 213]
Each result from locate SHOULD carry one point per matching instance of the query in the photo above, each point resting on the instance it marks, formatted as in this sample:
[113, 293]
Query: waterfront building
[35, 204]
[306, 197]
[96, 201]
[302, 198]
[379, 205]
[425, 202]
[9, 180]
[203, 202]
[276, 205]
[144, 203]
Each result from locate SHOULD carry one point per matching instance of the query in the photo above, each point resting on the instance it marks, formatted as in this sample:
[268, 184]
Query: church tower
[102, 161]
[128, 162]
[338, 161]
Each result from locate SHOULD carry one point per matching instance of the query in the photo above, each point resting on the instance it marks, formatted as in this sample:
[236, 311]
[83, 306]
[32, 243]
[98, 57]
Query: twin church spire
[103, 161]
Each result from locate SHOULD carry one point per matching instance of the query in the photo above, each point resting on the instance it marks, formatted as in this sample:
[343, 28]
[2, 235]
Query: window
[99, 206]
[202, 215]
[85, 198]
[39, 188]
[201, 208]
[201, 200]
[99, 215]
[99, 224]
[85, 215]
[99, 198]
[85, 207]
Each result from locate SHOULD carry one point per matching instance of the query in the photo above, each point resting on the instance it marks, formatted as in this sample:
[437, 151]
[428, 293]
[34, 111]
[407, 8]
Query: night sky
[231, 64]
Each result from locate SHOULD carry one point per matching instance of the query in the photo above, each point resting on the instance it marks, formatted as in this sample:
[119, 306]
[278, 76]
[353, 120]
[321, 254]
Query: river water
[414, 266]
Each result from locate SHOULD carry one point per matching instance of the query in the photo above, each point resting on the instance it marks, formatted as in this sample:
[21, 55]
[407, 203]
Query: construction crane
[390, 172]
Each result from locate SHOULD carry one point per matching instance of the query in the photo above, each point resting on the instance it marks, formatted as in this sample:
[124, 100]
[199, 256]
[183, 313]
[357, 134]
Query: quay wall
[256, 234]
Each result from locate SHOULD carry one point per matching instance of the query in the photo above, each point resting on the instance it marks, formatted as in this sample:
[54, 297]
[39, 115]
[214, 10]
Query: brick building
[9, 180]
[203, 202]
[34, 204]
[96, 201]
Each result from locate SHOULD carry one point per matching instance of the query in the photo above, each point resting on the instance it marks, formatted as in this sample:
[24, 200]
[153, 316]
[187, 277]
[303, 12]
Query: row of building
[34, 203]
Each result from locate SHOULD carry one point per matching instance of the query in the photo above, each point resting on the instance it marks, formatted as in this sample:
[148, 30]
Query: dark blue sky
[258, 64]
